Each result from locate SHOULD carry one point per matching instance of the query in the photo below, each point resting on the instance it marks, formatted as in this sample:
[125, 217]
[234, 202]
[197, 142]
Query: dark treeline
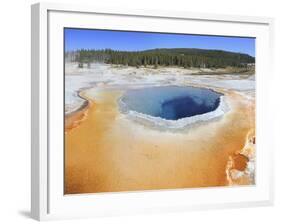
[183, 57]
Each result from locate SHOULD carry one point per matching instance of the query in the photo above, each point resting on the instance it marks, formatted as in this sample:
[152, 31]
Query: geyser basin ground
[172, 106]
[107, 152]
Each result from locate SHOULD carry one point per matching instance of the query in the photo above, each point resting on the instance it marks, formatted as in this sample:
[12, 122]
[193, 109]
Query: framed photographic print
[148, 111]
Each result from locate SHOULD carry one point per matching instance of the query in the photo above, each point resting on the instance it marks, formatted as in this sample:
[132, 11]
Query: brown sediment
[236, 168]
[240, 162]
[107, 152]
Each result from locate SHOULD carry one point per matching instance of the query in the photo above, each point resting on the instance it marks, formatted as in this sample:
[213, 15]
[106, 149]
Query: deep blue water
[171, 102]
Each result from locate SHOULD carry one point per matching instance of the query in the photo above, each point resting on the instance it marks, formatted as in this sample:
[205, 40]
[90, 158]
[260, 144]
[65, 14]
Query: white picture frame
[48, 201]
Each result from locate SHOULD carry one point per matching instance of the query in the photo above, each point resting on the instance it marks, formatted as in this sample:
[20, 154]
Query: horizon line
[209, 49]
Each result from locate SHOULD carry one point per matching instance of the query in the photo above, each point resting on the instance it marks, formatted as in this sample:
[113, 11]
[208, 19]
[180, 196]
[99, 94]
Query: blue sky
[136, 41]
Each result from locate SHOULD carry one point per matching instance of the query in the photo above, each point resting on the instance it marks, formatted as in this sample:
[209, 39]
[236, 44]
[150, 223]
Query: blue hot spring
[170, 102]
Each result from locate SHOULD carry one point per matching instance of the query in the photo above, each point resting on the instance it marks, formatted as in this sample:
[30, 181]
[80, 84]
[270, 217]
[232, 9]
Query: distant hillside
[183, 57]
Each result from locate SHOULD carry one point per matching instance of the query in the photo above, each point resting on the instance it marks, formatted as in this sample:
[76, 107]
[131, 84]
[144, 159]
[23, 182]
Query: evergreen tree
[182, 57]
